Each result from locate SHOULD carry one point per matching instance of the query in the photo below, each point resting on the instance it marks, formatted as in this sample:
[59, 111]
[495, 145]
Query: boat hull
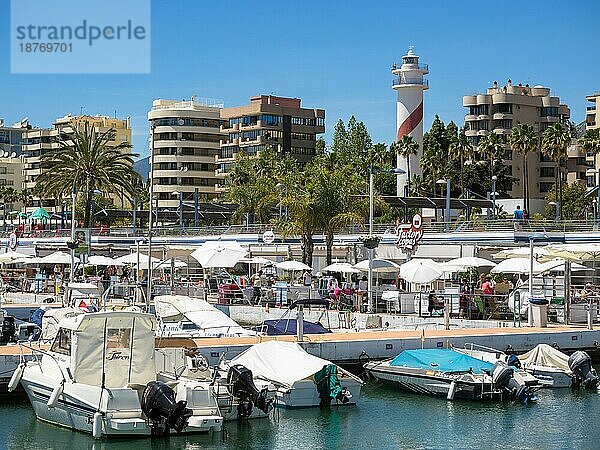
[304, 394]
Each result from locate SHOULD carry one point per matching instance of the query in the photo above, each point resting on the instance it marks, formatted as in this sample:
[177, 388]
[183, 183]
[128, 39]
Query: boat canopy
[284, 363]
[547, 356]
[441, 360]
[113, 348]
[279, 327]
[175, 308]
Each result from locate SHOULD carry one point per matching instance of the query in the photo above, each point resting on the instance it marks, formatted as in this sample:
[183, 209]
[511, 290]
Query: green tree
[407, 147]
[590, 141]
[492, 147]
[523, 139]
[575, 202]
[87, 160]
[461, 150]
[555, 143]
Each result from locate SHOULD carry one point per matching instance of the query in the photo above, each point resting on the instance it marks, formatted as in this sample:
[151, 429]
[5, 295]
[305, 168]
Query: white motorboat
[183, 316]
[549, 365]
[296, 378]
[100, 376]
[451, 374]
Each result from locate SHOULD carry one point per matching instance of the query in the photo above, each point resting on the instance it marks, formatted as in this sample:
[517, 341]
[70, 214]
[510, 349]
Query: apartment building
[269, 121]
[186, 141]
[503, 107]
[39, 141]
[11, 160]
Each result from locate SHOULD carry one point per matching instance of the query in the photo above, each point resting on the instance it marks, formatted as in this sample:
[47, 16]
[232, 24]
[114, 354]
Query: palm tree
[524, 139]
[87, 160]
[590, 141]
[555, 143]
[493, 148]
[407, 147]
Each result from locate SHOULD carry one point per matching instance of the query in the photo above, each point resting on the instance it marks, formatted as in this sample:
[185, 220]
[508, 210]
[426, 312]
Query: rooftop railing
[405, 81]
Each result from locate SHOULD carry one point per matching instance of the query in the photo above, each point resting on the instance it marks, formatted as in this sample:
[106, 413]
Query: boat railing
[473, 346]
[35, 351]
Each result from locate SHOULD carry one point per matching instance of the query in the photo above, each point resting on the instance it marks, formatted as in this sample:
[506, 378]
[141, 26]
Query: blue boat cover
[278, 327]
[442, 360]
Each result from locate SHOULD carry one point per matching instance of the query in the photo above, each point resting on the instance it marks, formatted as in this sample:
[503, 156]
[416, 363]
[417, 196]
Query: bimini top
[545, 355]
[442, 360]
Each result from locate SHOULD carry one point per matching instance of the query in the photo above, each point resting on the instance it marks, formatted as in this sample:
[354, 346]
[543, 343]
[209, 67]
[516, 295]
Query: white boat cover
[118, 345]
[282, 362]
[173, 308]
[547, 356]
[52, 317]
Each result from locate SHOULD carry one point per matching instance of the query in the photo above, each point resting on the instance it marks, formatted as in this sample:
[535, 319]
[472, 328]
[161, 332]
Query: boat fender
[16, 377]
[56, 392]
[97, 425]
[451, 390]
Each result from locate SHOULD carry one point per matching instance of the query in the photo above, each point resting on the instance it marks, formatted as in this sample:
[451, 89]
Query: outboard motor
[158, 403]
[514, 361]
[503, 377]
[243, 388]
[580, 364]
[8, 329]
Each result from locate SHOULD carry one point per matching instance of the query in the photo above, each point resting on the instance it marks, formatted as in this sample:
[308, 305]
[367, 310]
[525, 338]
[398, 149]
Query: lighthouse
[408, 81]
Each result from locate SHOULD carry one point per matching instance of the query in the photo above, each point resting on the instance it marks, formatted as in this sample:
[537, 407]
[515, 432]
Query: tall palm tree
[555, 143]
[87, 160]
[407, 147]
[492, 147]
[590, 141]
[523, 139]
[461, 149]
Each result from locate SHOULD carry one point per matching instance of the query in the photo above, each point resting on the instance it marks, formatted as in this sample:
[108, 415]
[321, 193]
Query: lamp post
[556, 211]
[371, 242]
[150, 218]
[447, 213]
[196, 205]
[494, 179]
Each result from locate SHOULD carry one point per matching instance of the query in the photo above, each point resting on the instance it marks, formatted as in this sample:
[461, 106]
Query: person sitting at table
[587, 291]
[434, 304]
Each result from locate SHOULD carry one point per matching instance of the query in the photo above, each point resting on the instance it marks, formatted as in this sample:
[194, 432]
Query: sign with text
[410, 234]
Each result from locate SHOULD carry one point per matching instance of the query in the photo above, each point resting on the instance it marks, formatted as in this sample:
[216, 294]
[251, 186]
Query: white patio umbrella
[219, 254]
[522, 252]
[341, 267]
[515, 265]
[132, 258]
[379, 266]
[99, 260]
[256, 260]
[421, 271]
[57, 258]
[576, 252]
[177, 264]
[467, 262]
[292, 265]
[558, 265]
[10, 256]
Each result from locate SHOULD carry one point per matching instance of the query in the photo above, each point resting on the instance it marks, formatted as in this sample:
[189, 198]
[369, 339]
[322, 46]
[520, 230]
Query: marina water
[384, 418]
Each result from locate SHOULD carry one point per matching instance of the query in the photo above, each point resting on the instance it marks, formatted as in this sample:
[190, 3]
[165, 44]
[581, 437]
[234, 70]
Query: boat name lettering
[117, 356]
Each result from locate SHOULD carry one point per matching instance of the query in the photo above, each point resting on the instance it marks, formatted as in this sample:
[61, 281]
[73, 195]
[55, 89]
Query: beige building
[186, 141]
[11, 160]
[503, 107]
[39, 141]
[278, 122]
[592, 116]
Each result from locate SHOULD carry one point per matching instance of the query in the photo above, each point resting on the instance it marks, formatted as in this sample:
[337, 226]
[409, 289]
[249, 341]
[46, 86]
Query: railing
[423, 67]
[590, 108]
[404, 81]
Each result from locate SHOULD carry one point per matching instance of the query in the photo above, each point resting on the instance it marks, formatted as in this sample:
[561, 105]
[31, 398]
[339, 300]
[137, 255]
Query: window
[307, 121]
[187, 122]
[304, 136]
[62, 342]
[545, 158]
[546, 187]
[504, 123]
[549, 111]
[118, 338]
[547, 172]
[269, 119]
[504, 108]
[479, 110]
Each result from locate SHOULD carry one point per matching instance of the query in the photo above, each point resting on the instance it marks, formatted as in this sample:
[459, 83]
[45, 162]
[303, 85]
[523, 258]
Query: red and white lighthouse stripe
[411, 122]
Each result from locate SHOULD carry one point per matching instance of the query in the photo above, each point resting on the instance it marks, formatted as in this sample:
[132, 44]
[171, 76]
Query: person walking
[256, 281]
[518, 215]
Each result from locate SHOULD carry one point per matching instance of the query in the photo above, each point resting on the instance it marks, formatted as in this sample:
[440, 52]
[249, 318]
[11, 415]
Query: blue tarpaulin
[277, 327]
[442, 360]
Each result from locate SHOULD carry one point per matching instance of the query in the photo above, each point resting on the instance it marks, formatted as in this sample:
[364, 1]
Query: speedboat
[451, 374]
[296, 378]
[183, 316]
[549, 365]
[100, 376]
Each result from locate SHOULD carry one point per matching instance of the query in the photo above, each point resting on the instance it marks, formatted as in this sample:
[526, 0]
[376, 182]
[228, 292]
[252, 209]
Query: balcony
[470, 133]
[408, 82]
[501, 115]
[590, 108]
[397, 67]
[482, 132]
[470, 117]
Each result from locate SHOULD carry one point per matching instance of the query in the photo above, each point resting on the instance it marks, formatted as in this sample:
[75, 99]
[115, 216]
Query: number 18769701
[46, 47]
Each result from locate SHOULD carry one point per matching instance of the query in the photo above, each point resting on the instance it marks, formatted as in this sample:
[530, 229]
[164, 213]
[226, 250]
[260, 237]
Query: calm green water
[384, 418]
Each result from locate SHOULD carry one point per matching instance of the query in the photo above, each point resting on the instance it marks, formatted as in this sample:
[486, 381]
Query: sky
[333, 55]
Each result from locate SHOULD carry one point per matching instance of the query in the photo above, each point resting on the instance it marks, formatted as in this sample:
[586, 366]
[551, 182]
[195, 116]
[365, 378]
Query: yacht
[100, 376]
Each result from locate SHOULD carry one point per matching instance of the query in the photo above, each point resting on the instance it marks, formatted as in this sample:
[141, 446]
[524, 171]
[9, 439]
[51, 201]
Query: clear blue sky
[334, 55]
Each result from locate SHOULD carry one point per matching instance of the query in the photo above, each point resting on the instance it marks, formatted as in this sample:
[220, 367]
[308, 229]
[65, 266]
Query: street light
[556, 211]
[447, 213]
[371, 242]
[494, 178]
